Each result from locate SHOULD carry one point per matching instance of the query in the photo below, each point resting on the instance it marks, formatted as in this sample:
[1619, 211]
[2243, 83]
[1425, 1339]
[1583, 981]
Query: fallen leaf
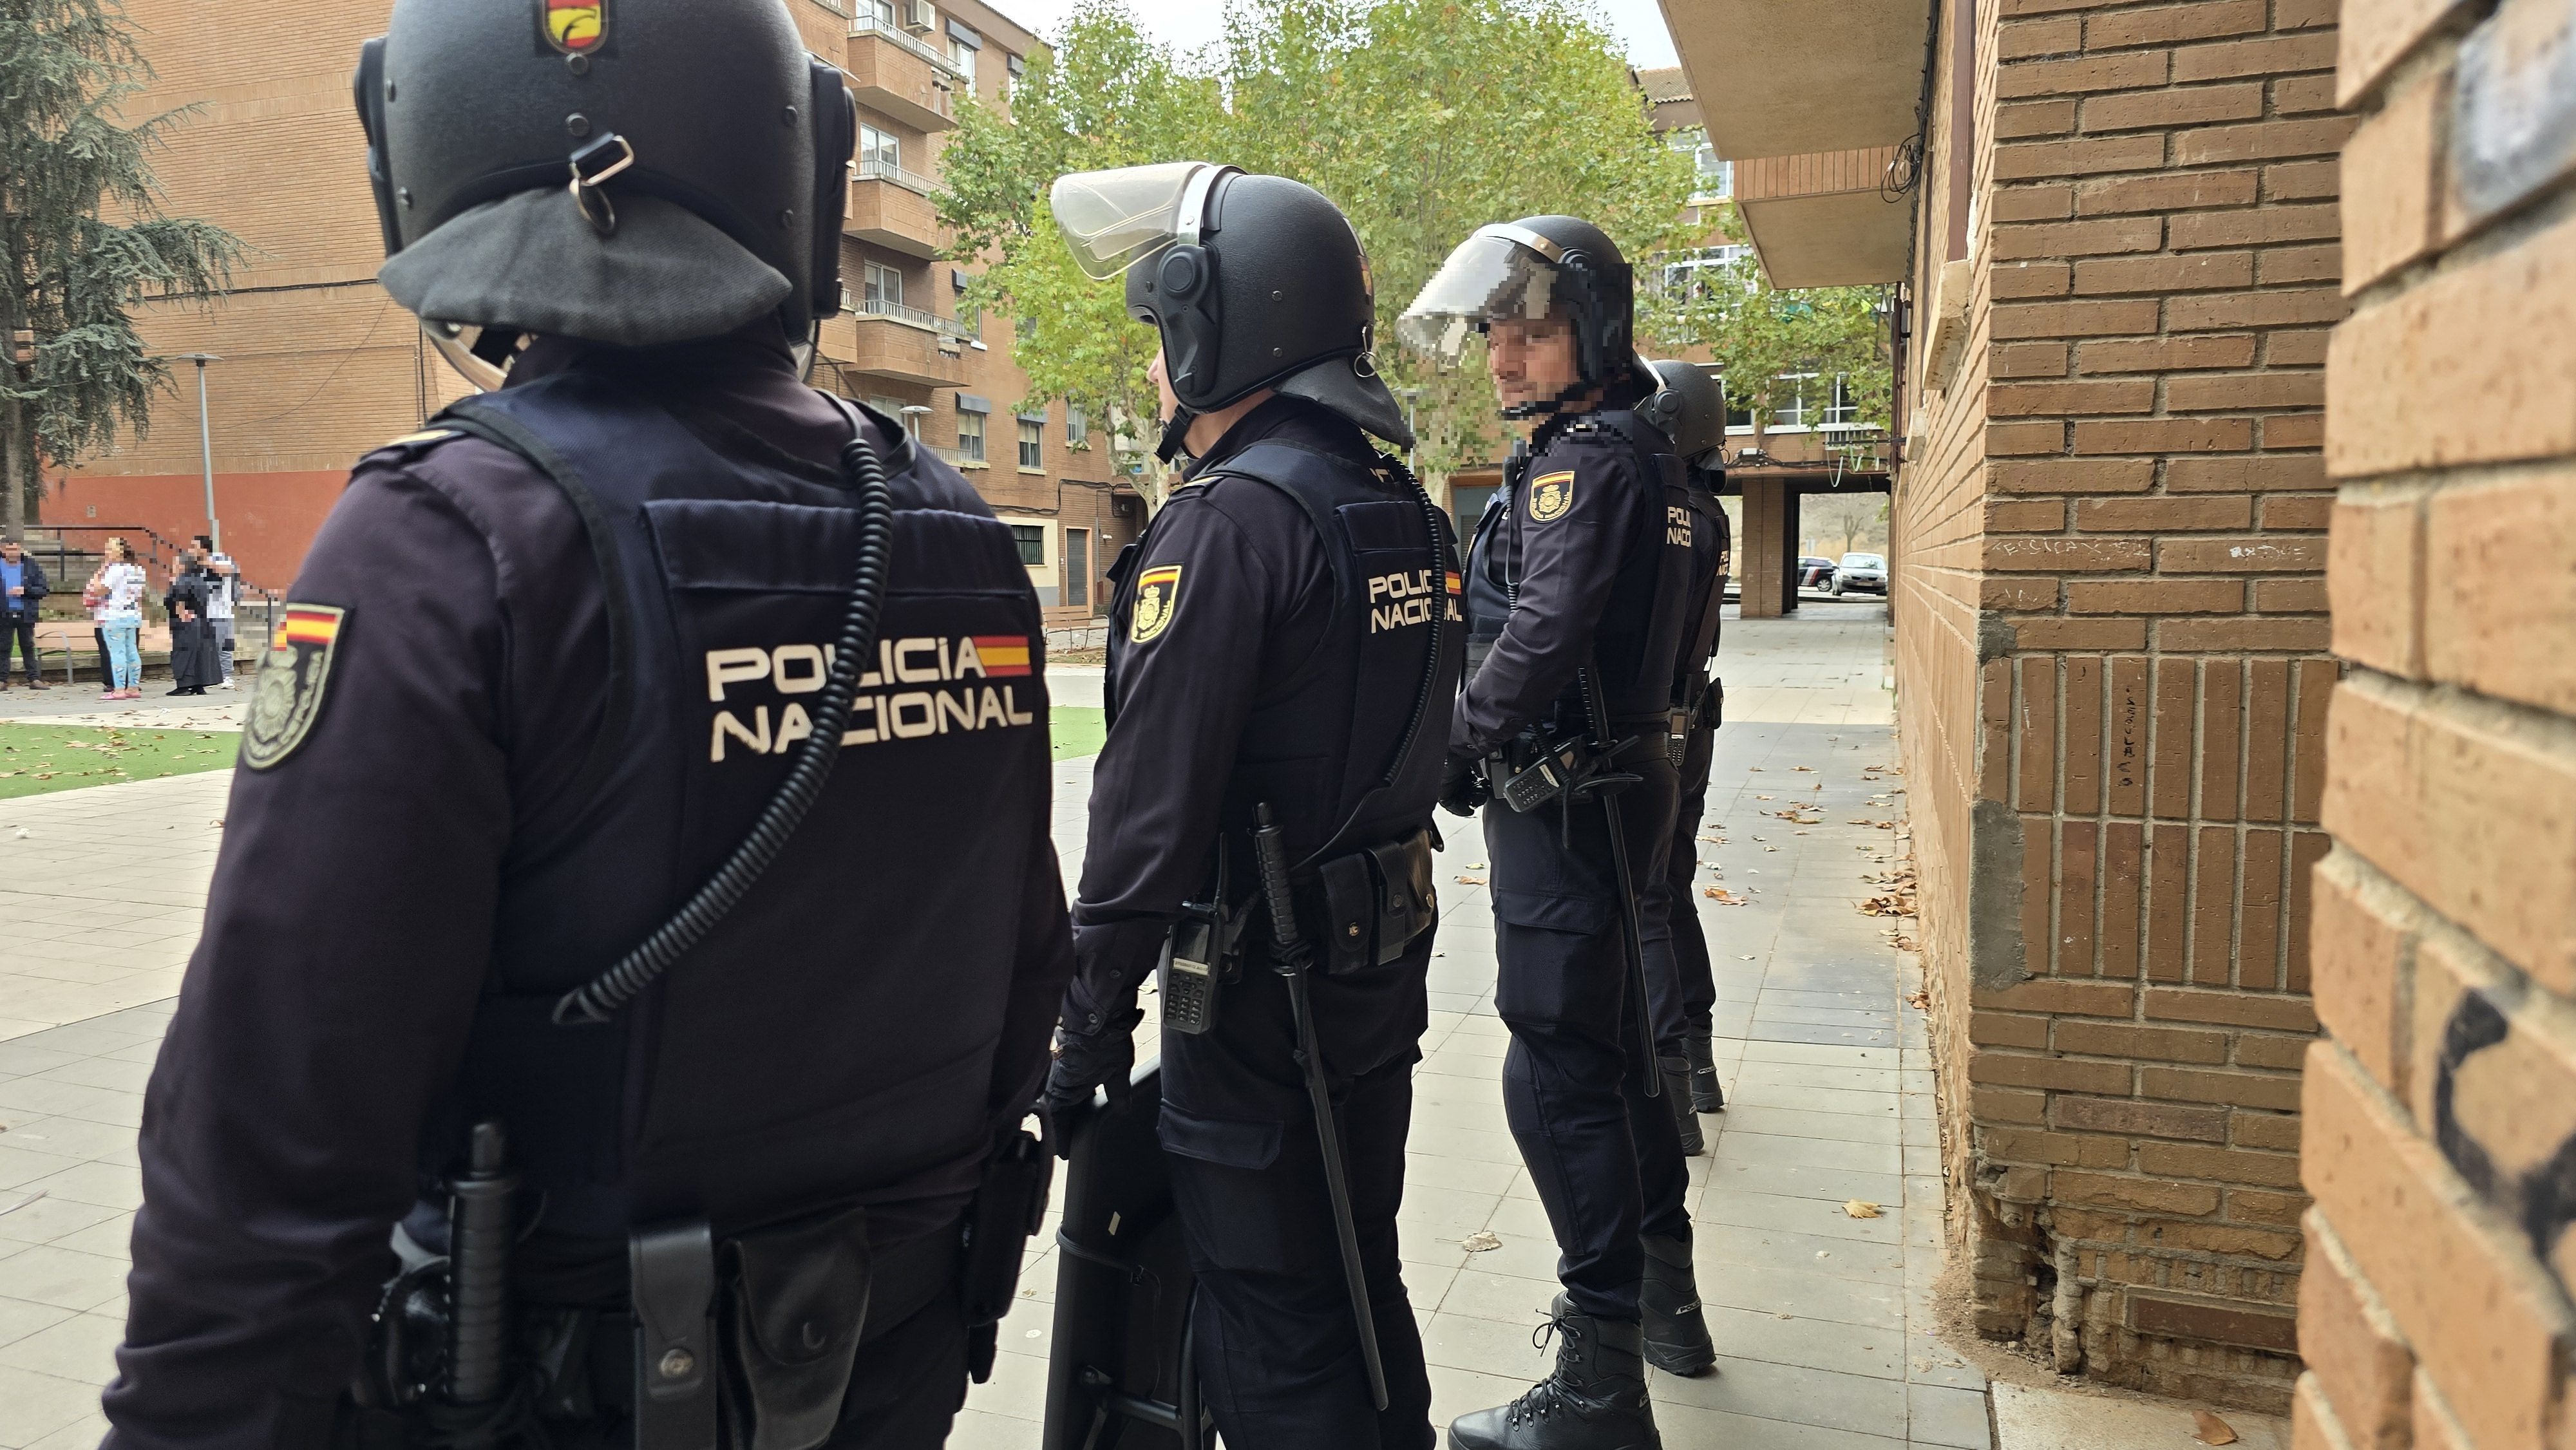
[2208, 1429]
[1724, 897]
[1475, 865]
[1471, 880]
[1860, 1208]
[1481, 1240]
[1809, 769]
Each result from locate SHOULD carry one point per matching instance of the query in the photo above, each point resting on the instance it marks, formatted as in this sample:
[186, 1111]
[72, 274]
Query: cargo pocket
[1226, 1142]
[792, 1321]
[1546, 911]
[1248, 1219]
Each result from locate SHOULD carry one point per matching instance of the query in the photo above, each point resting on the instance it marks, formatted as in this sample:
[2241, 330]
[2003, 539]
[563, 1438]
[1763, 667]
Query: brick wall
[2112, 638]
[2442, 1105]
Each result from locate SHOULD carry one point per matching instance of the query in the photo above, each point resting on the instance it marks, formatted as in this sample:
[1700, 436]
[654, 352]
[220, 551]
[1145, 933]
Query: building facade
[319, 365]
[2116, 229]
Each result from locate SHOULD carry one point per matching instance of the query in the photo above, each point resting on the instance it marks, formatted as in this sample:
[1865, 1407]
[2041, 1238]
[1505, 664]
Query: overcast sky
[1191, 23]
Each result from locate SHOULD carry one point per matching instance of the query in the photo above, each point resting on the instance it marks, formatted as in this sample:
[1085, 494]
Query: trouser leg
[22, 634]
[1278, 1356]
[224, 647]
[907, 1384]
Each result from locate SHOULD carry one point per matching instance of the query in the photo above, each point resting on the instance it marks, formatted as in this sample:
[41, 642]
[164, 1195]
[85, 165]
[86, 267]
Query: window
[882, 148]
[895, 408]
[1792, 402]
[1077, 566]
[1032, 541]
[1032, 443]
[970, 437]
[884, 284]
[962, 45]
[1842, 410]
[969, 317]
[883, 10]
[1018, 71]
[1077, 429]
[1739, 414]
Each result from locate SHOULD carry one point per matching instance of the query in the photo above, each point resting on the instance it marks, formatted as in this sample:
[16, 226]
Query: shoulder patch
[1550, 495]
[289, 693]
[1158, 598]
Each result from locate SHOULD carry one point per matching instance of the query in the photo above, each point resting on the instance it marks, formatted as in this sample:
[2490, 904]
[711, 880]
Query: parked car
[1866, 573]
[1815, 573]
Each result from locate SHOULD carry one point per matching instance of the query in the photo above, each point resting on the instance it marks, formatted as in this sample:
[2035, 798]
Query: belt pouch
[673, 1271]
[1350, 912]
[1404, 893]
[792, 1322]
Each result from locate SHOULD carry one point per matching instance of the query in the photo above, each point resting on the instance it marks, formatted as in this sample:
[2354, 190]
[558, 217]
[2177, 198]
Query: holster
[1010, 1204]
[795, 1302]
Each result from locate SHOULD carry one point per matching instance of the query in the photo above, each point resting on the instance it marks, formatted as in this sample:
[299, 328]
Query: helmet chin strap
[1175, 431]
[1571, 393]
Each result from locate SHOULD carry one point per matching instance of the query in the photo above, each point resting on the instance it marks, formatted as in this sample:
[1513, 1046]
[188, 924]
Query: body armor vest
[1711, 544]
[1325, 755]
[1643, 623]
[831, 1041]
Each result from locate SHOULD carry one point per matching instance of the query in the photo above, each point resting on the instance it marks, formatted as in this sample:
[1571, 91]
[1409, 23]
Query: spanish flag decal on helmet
[289, 692]
[1158, 598]
[575, 27]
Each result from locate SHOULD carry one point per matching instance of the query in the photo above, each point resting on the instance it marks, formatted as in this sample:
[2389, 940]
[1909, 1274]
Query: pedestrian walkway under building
[1823, 1315]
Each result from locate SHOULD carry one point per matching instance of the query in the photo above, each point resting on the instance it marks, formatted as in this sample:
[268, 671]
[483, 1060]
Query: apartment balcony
[893, 208]
[901, 76]
[905, 344]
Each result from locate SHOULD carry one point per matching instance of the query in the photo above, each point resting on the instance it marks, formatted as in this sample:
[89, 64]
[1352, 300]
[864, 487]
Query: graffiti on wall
[2521, 1162]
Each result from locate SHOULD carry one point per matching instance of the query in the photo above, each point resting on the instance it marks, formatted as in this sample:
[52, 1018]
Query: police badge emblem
[289, 692]
[1158, 597]
[1551, 495]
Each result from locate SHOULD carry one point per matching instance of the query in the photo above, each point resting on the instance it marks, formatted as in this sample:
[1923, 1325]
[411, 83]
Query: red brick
[2144, 1194]
[2284, 431]
[2074, 475]
[2200, 272]
[2243, 1089]
[2290, 596]
[2025, 515]
[2165, 513]
[2171, 776]
[2159, 1044]
[2077, 239]
[2212, 1322]
[2303, 95]
[2352, 1348]
[2030, 279]
[2127, 1115]
[2301, 347]
[2052, 555]
[2019, 39]
[2300, 308]
[2302, 180]
[2166, 435]
[2244, 475]
[2008, 1029]
[2277, 56]
[2049, 994]
[2174, 22]
[2198, 106]
[2006, 440]
[2083, 74]
[2155, 596]
[2375, 575]
[2057, 1150]
[2466, 1297]
[2022, 119]
[2024, 400]
[2074, 319]
[2236, 1009]
[2168, 192]
[2311, 511]
[2269, 633]
[2276, 1131]
[2221, 1165]
[2010, 1069]
[2167, 354]
[2242, 554]
[2089, 156]
[2499, 597]
[2269, 226]
[2079, 634]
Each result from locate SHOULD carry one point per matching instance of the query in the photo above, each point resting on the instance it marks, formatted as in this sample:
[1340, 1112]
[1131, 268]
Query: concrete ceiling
[1846, 239]
[1786, 77]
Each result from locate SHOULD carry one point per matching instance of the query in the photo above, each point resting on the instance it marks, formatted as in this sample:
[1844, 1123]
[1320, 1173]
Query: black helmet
[1252, 282]
[1528, 269]
[631, 173]
[1690, 408]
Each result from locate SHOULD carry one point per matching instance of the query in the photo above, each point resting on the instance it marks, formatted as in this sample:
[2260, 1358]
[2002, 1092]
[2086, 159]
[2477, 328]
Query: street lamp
[206, 445]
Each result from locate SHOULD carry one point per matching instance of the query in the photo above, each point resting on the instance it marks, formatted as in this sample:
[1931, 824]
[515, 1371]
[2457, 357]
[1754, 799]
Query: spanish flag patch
[288, 694]
[1003, 654]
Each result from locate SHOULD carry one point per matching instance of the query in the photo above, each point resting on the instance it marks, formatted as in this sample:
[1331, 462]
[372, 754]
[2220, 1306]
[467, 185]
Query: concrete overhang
[1788, 77]
[1840, 239]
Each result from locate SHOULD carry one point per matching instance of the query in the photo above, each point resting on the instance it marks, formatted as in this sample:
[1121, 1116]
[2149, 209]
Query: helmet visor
[1114, 219]
[1490, 276]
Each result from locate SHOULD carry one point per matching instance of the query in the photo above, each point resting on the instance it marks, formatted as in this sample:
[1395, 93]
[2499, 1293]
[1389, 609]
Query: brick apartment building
[2116, 226]
[319, 365]
[2441, 1111]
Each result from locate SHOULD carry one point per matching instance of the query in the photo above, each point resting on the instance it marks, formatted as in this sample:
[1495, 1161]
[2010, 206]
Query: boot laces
[1549, 1395]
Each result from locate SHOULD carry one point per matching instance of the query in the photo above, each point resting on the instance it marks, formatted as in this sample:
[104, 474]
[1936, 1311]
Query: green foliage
[1755, 333]
[82, 240]
[1422, 119]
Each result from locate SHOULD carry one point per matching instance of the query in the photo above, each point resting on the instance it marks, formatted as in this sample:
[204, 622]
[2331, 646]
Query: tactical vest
[832, 1041]
[1711, 545]
[1325, 756]
[1642, 625]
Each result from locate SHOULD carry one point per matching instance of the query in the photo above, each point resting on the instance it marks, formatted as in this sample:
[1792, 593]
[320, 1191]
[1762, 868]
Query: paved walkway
[1821, 1318]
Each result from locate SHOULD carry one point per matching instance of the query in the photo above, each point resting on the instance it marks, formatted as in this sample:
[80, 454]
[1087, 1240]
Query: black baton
[1270, 848]
[1606, 789]
[479, 1237]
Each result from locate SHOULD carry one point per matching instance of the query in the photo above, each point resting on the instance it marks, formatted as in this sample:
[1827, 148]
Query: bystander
[226, 577]
[24, 579]
[115, 598]
[192, 635]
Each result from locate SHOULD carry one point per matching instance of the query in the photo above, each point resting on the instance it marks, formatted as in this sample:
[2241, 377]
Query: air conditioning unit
[918, 16]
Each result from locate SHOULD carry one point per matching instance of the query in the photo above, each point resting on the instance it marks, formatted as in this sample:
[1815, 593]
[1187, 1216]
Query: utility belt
[1704, 711]
[744, 1342]
[1536, 769]
[1372, 903]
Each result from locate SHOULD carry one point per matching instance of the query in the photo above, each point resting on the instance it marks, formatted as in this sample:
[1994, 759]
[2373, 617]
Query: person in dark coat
[193, 665]
[24, 580]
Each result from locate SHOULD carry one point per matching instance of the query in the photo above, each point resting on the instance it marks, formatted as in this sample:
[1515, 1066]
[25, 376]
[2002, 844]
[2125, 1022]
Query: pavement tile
[1939, 1416]
[81, 1347]
[63, 1278]
[22, 1317]
[1743, 1146]
[1857, 1403]
[1882, 1129]
[31, 1217]
[41, 1404]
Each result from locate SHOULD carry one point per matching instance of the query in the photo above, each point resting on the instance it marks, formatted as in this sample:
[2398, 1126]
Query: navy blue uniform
[1237, 676]
[1575, 552]
[536, 737]
[1678, 977]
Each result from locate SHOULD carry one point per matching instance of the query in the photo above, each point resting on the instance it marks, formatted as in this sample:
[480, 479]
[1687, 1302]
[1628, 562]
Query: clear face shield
[1112, 220]
[1500, 273]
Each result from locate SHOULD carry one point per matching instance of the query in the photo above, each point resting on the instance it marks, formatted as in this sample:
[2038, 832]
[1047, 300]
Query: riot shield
[1121, 1377]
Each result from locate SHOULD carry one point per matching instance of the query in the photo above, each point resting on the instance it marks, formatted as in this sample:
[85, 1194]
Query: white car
[1864, 572]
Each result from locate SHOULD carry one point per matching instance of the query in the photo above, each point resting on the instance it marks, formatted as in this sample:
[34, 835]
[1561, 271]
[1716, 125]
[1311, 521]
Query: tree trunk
[13, 456]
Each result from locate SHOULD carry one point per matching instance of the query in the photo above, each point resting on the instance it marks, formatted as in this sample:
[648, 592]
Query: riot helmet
[1251, 282]
[1690, 408]
[1531, 269]
[633, 174]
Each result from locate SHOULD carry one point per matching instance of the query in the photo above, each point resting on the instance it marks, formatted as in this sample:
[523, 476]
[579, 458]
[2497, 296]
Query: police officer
[1690, 410]
[1284, 647]
[1578, 588]
[560, 677]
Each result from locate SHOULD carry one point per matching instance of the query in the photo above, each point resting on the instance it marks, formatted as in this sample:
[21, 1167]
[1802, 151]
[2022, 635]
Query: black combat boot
[1676, 1333]
[1706, 1095]
[1677, 1095]
[1596, 1400]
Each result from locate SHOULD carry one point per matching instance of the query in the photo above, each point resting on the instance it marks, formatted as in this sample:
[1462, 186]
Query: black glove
[1086, 1060]
[1463, 789]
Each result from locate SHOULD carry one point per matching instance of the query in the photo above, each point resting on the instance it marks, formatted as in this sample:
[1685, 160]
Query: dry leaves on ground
[1860, 1208]
[1481, 1240]
[1809, 769]
[1724, 897]
[1471, 880]
[2208, 1429]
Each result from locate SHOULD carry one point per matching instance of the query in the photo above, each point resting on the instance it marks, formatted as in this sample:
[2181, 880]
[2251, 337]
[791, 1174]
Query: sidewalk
[1822, 1320]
